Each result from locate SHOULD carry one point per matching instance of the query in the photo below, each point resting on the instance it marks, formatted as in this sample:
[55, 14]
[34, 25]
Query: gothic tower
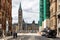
[20, 17]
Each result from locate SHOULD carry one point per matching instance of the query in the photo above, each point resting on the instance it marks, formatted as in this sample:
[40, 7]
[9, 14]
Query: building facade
[27, 27]
[6, 14]
[33, 26]
[53, 10]
[58, 17]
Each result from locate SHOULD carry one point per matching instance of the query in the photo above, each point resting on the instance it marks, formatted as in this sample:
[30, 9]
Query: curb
[5, 38]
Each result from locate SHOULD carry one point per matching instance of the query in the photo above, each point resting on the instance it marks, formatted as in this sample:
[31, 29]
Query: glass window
[59, 29]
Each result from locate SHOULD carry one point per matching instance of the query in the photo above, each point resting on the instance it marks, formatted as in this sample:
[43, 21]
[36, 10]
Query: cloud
[30, 10]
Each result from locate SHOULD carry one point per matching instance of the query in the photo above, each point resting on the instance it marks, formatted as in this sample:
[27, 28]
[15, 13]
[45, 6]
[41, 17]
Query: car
[52, 33]
[49, 33]
[44, 32]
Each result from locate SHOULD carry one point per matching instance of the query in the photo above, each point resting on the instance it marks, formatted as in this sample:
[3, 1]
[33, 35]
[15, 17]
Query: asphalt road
[26, 37]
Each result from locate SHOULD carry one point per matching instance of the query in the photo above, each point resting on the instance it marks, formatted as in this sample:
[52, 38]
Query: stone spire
[20, 17]
[20, 8]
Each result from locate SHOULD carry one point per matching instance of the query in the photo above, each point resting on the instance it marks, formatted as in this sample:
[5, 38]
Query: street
[30, 37]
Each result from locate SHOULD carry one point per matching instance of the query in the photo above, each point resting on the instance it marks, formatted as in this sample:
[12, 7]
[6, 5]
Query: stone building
[55, 15]
[20, 17]
[30, 26]
[53, 10]
[33, 26]
[58, 17]
[6, 14]
[27, 26]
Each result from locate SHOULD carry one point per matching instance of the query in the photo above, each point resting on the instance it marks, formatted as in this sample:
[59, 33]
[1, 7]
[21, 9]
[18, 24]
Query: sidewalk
[35, 34]
[5, 38]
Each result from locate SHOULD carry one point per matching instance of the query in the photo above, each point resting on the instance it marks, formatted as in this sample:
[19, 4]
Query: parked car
[52, 33]
[44, 32]
[49, 33]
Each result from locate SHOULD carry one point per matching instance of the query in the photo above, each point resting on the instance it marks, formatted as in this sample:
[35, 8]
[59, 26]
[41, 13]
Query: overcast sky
[30, 10]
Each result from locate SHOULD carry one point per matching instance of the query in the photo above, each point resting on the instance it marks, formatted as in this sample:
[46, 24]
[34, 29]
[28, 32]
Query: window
[58, 18]
[51, 23]
[59, 29]
[59, 7]
[51, 1]
[54, 0]
[9, 1]
[2, 13]
[51, 11]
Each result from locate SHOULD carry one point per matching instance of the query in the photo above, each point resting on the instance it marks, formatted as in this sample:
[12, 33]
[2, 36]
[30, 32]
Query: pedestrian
[14, 34]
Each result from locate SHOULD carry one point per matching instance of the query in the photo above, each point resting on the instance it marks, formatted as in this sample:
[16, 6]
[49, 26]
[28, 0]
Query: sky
[30, 10]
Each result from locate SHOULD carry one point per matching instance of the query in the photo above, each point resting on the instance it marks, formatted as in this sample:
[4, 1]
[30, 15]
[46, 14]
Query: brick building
[6, 14]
